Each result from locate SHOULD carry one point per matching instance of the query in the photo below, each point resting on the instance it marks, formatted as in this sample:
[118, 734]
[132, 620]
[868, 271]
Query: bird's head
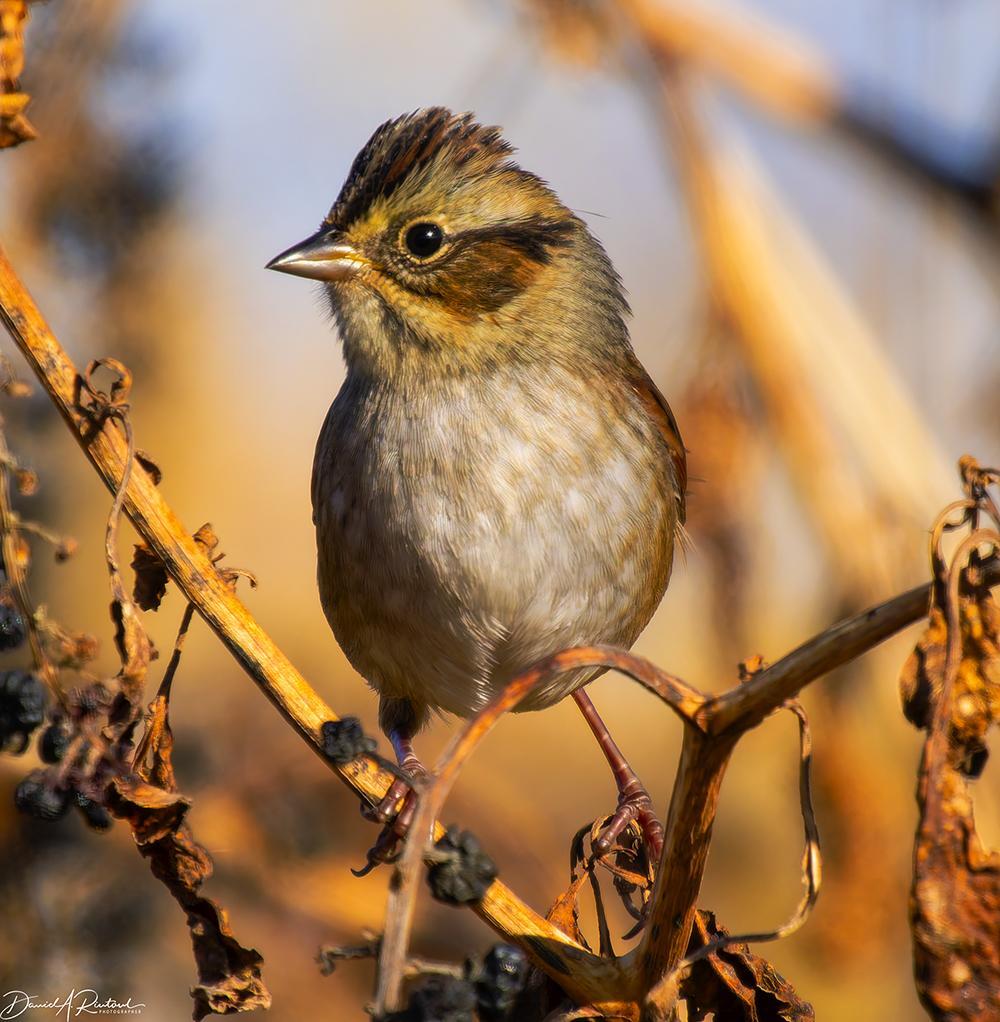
[441, 253]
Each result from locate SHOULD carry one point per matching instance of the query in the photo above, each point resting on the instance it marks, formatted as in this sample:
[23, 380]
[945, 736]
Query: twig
[552, 950]
[682, 699]
[711, 727]
[747, 705]
[664, 994]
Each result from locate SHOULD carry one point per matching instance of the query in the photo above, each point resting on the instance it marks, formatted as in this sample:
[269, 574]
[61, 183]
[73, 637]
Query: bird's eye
[424, 239]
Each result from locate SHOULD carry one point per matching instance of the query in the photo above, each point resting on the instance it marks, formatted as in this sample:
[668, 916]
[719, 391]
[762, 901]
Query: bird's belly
[444, 579]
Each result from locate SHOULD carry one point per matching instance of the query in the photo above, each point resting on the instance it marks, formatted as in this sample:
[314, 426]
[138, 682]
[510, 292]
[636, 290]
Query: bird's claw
[392, 804]
[637, 806]
[395, 812]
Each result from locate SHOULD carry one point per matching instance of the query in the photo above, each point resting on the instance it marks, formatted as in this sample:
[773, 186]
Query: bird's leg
[398, 802]
[400, 719]
[395, 811]
[634, 802]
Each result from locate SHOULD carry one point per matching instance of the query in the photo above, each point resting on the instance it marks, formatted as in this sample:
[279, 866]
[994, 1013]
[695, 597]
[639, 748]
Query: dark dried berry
[12, 630]
[23, 700]
[500, 982]
[52, 745]
[37, 798]
[94, 813]
[464, 871]
[442, 999]
[344, 740]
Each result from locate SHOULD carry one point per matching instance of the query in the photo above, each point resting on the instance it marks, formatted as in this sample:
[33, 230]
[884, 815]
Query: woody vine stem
[712, 724]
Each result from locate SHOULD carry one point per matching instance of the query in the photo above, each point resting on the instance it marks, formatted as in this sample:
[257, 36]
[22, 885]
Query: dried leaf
[924, 668]
[134, 646]
[153, 813]
[229, 973]
[565, 911]
[229, 976]
[206, 538]
[150, 583]
[735, 984]
[955, 899]
[151, 577]
[152, 469]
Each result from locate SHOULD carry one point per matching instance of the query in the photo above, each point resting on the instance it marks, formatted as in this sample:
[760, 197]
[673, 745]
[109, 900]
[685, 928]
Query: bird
[498, 477]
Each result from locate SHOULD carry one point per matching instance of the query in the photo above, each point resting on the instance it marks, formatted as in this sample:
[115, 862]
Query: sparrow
[498, 477]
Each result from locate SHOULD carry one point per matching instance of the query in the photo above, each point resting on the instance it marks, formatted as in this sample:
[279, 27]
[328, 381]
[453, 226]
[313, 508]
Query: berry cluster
[344, 740]
[500, 982]
[23, 701]
[49, 794]
[12, 630]
[488, 992]
[463, 872]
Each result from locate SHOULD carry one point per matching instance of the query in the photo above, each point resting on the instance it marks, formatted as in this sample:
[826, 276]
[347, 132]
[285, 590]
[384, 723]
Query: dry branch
[580, 972]
[711, 727]
[779, 70]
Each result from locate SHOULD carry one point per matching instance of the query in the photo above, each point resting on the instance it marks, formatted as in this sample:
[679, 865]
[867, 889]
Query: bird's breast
[466, 533]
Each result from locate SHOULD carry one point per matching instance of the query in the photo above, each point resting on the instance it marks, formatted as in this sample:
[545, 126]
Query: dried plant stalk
[712, 727]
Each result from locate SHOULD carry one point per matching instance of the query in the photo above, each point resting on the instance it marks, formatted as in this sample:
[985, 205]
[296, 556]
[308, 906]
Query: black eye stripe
[535, 237]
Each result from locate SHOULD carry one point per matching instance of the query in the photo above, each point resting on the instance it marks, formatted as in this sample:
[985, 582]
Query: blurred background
[802, 201]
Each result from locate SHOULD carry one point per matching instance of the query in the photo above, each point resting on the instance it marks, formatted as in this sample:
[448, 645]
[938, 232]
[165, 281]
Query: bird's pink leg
[634, 802]
[399, 791]
[398, 802]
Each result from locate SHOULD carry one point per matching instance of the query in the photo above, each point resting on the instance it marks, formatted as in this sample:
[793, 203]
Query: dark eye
[424, 239]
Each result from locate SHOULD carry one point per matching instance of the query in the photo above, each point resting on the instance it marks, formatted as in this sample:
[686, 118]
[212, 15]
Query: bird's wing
[659, 411]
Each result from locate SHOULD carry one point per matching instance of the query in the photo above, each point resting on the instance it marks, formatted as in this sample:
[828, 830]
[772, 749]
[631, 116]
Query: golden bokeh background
[862, 320]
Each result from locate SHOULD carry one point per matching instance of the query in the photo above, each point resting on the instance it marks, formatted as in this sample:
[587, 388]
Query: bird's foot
[395, 812]
[634, 804]
[397, 802]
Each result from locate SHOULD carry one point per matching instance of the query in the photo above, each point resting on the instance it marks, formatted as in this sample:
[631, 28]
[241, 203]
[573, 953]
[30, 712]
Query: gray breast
[464, 536]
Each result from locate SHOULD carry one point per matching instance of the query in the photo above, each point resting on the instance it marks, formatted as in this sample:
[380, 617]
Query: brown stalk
[225, 613]
[780, 71]
[705, 754]
[682, 699]
[662, 998]
[712, 726]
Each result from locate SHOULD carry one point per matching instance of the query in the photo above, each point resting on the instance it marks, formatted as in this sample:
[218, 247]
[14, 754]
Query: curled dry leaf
[229, 975]
[150, 573]
[229, 972]
[153, 813]
[735, 984]
[152, 469]
[150, 585]
[955, 899]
